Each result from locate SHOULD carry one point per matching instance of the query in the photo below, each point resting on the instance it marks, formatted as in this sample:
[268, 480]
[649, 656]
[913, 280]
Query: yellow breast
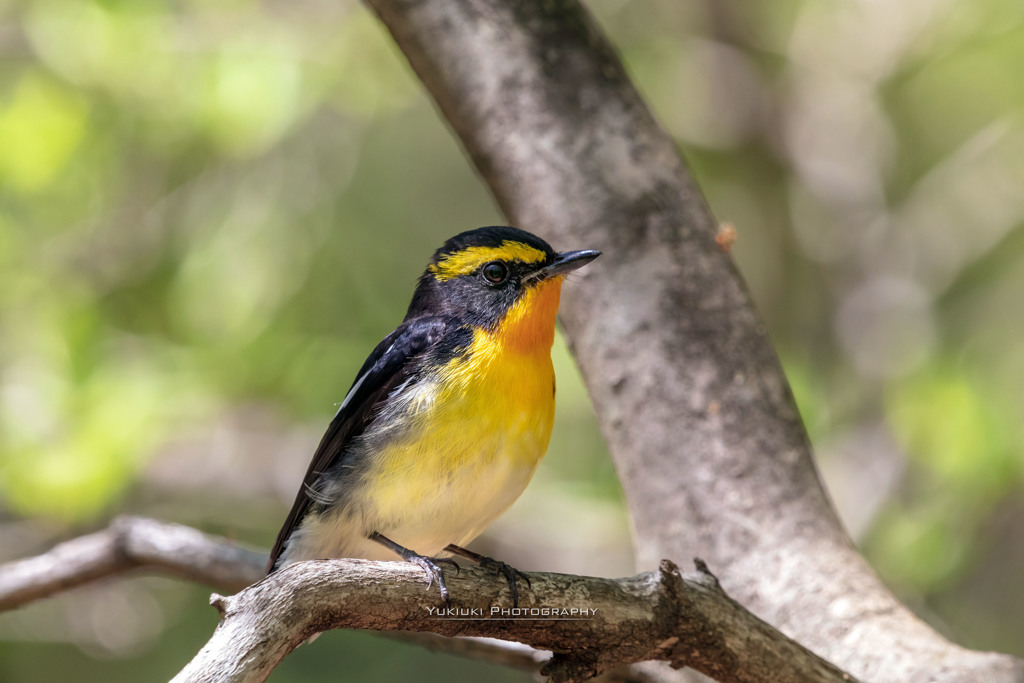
[481, 429]
[505, 384]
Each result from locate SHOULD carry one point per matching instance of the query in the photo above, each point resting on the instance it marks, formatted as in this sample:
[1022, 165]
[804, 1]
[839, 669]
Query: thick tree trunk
[712, 454]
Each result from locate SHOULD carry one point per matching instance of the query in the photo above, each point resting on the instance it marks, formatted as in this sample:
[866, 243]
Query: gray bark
[656, 615]
[686, 620]
[692, 400]
[130, 543]
[141, 544]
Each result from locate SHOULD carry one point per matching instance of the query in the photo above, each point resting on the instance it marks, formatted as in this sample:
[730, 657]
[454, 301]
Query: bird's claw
[434, 573]
[510, 573]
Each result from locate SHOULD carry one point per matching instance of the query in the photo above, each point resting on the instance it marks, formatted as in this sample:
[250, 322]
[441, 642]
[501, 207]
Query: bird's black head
[478, 275]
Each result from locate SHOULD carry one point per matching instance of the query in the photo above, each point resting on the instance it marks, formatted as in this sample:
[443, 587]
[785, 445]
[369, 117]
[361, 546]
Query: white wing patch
[359, 383]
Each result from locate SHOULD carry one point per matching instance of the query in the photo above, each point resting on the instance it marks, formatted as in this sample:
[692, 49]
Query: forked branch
[592, 625]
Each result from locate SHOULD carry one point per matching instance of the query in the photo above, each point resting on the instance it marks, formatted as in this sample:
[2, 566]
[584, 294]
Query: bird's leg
[429, 564]
[510, 573]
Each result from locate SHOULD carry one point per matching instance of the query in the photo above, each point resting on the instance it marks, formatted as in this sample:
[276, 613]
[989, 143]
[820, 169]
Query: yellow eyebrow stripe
[469, 259]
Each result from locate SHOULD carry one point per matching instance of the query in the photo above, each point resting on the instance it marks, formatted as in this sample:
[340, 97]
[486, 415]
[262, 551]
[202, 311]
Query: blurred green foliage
[212, 211]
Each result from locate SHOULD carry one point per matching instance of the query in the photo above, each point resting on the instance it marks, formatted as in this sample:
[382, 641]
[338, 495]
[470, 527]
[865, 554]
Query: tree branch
[658, 615]
[130, 543]
[139, 543]
[698, 415]
[687, 620]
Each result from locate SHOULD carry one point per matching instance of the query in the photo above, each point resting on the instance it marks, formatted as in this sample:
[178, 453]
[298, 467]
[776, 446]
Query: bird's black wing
[390, 364]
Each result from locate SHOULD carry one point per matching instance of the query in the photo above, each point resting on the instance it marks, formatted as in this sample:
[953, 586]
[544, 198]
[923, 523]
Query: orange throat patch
[529, 326]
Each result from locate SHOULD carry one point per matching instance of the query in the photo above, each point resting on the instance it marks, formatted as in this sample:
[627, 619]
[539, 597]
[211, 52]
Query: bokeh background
[211, 211]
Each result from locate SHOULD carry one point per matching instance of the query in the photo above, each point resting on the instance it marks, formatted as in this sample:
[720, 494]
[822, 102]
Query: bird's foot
[510, 573]
[431, 565]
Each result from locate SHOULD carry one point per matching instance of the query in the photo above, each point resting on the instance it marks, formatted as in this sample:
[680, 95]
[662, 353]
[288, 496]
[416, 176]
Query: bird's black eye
[494, 272]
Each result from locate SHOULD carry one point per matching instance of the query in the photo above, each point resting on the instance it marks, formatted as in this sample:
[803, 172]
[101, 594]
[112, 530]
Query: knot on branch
[671, 580]
[220, 603]
[668, 613]
[710, 579]
[120, 536]
[689, 639]
[572, 667]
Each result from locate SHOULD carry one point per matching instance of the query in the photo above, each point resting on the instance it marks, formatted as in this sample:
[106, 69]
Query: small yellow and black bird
[448, 418]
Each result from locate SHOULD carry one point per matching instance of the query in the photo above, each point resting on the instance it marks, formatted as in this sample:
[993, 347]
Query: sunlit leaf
[41, 125]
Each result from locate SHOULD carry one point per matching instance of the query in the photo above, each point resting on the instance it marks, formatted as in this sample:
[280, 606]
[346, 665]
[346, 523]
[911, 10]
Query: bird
[448, 417]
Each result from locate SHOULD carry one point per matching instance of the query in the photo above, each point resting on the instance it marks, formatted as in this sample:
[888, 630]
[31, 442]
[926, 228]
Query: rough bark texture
[656, 615]
[141, 544]
[694, 405]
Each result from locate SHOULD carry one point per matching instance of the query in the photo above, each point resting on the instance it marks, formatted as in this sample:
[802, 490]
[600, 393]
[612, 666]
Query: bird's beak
[565, 262]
